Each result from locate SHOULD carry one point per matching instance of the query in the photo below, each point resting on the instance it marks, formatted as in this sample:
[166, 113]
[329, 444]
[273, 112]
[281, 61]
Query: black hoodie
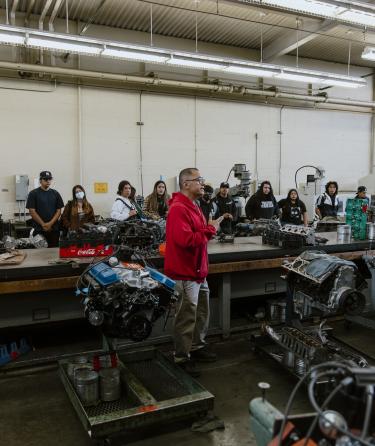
[260, 205]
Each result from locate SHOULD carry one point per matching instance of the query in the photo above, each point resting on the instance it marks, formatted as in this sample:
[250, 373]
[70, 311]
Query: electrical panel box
[22, 187]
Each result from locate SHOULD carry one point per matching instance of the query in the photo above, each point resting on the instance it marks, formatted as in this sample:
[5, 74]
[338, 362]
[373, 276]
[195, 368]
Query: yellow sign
[100, 188]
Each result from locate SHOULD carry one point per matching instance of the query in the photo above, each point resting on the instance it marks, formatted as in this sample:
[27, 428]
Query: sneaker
[203, 355]
[189, 368]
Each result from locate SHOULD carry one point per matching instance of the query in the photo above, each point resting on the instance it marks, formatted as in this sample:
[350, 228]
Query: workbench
[41, 289]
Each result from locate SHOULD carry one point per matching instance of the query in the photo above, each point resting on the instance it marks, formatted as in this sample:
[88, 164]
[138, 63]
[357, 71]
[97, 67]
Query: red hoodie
[187, 235]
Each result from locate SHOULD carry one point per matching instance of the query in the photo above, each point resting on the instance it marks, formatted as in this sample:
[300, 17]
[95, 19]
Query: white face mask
[80, 195]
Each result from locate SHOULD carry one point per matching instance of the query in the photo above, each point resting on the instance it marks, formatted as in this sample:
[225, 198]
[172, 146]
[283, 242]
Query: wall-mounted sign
[100, 188]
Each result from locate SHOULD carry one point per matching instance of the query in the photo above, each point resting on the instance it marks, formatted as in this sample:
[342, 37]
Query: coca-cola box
[85, 248]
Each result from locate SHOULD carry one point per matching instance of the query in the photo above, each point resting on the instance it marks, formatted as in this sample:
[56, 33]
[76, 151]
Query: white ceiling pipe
[53, 15]
[13, 12]
[229, 89]
[51, 26]
[352, 102]
[41, 24]
[300, 96]
[28, 12]
[44, 13]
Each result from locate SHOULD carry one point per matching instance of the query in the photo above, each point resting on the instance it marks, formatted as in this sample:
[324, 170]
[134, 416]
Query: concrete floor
[34, 409]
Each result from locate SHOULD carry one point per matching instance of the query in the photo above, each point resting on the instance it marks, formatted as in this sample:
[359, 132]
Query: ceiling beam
[365, 7]
[288, 42]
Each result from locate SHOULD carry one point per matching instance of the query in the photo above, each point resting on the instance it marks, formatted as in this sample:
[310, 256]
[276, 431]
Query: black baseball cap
[208, 189]
[224, 184]
[45, 175]
[361, 189]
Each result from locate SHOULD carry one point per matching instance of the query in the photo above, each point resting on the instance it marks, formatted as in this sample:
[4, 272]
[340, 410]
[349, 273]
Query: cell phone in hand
[220, 219]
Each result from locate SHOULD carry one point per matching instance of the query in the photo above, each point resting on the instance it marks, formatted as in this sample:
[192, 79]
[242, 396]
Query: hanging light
[333, 10]
[196, 61]
[368, 53]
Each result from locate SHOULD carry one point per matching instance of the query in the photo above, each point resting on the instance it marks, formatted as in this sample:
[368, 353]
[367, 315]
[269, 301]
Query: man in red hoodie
[186, 261]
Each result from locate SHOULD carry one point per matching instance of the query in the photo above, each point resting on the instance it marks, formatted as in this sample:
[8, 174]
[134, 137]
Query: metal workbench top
[40, 263]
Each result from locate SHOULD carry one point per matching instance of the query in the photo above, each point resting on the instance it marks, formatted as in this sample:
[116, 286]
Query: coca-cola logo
[86, 252]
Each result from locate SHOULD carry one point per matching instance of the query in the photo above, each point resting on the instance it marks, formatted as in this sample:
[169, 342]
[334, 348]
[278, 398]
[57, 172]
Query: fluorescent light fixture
[128, 54]
[316, 77]
[93, 47]
[300, 77]
[327, 9]
[341, 83]
[12, 38]
[200, 64]
[257, 71]
[63, 45]
[368, 53]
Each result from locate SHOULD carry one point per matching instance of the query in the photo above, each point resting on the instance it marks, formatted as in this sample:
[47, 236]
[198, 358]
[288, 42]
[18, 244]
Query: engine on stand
[144, 236]
[318, 284]
[326, 283]
[124, 299]
[123, 294]
[283, 236]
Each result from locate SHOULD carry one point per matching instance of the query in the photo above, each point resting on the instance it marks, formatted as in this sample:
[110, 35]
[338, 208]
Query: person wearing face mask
[77, 211]
[328, 203]
[207, 204]
[156, 204]
[123, 207]
[44, 205]
[262, 204]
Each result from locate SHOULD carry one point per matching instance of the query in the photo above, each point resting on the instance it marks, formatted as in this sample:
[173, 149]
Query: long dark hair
[154, 197]
[85, 203]
[334, 183]
[121, 186]
[288, 201]
[259, 193]
[290, 193]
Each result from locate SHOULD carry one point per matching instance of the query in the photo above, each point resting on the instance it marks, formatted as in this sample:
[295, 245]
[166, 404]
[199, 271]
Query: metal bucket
[110, 384]
[87, 385]
[344, 233]
[105, 361]
[77, 362]
[371, 231]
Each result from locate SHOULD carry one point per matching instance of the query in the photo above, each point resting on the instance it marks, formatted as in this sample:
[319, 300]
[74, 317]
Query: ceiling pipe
[44, 13]
[195, 86]
[13, 12]
[54, 14]
[41, 24]
[28, 12]
[91, 19]
[51, 27]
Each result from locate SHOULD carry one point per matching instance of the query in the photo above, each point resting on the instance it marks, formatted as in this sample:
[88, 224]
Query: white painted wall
[38, 132]
[47, 131]
[93, 136]
[337, 141]
[109, 143]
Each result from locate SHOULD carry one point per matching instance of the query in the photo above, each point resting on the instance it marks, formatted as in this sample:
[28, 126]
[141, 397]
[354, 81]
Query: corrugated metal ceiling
[218, 22]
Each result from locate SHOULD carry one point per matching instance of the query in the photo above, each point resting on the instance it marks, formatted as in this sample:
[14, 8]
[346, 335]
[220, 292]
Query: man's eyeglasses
[200, 180]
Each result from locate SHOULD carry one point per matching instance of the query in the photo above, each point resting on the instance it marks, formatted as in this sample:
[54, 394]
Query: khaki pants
[192, 318]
